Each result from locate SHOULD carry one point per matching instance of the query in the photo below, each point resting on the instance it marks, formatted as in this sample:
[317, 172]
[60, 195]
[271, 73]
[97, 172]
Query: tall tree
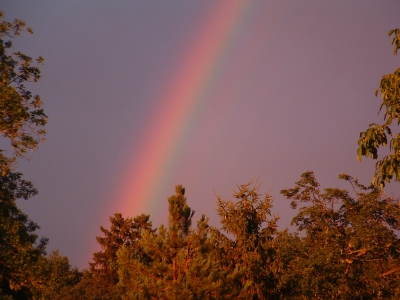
[181, 262]
[19, 250]
[377, 135]
[123, 232]
[252, 249]
[100, 281]
[21, 121]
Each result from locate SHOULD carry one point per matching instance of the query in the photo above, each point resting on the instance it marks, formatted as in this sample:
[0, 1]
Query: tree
[180, 262]
[350, 249]
[21, 116]
[123, 232]
[21, 121]
[100, 281]
[56, 275]
[252, 248]
[377, 135]
[19, 250]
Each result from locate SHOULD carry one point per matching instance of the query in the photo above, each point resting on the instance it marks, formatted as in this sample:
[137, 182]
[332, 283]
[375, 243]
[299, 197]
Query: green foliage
[22, 254]
[100, 281]
[181, 262]
[21, 116]
[56, 275]
[350, 249]
[345, 247]
[252, 247]
[377, 135]
[20, 249]
[122, 232]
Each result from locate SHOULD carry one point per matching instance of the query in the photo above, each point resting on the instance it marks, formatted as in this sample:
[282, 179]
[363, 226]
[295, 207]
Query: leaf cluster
[21, 115]
[344, 247]
[180, 262]
[350, 249]
[20, 248]
[376, 135]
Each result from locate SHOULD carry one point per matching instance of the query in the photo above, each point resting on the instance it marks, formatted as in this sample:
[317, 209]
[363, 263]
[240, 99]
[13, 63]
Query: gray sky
[287, 87]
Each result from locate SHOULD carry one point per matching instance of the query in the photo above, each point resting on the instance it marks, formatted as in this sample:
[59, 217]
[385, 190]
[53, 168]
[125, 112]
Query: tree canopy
[25, 271]
[21, 115]
[343, 245]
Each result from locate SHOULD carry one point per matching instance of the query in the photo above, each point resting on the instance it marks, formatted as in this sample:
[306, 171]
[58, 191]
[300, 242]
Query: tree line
[344, 245]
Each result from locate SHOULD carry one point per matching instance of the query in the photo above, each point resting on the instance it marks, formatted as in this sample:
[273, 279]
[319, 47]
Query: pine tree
[100, 281]
[252, 246]
[182, 264]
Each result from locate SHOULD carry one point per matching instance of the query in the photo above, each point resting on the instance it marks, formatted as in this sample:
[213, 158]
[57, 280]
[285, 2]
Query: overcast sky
[144, 95]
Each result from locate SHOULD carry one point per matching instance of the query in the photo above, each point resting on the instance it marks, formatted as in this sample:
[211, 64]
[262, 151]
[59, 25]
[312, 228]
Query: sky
[144, 95]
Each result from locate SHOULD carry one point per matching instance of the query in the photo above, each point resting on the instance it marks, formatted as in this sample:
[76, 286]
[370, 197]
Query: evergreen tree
[182, 262]
[123, 232]
[100, 281]
[252, 248]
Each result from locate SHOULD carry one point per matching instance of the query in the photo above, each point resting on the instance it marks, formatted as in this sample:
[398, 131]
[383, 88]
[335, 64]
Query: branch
[390, 272]
[142, 271]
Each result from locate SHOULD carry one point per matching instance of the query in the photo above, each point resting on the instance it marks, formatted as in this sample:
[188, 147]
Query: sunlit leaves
[21, 116]
[21, 121]
[387, 168]
[396, 39]
[177, 261]
[350, 249]
[20, 248]
[252, 248]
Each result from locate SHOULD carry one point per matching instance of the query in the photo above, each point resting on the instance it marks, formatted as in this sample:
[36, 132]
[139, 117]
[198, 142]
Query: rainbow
[185, 98]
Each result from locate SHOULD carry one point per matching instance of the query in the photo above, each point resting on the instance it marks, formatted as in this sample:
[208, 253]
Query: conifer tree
[123, 232]
[252, 248]
[100, 281]
[182, 264]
